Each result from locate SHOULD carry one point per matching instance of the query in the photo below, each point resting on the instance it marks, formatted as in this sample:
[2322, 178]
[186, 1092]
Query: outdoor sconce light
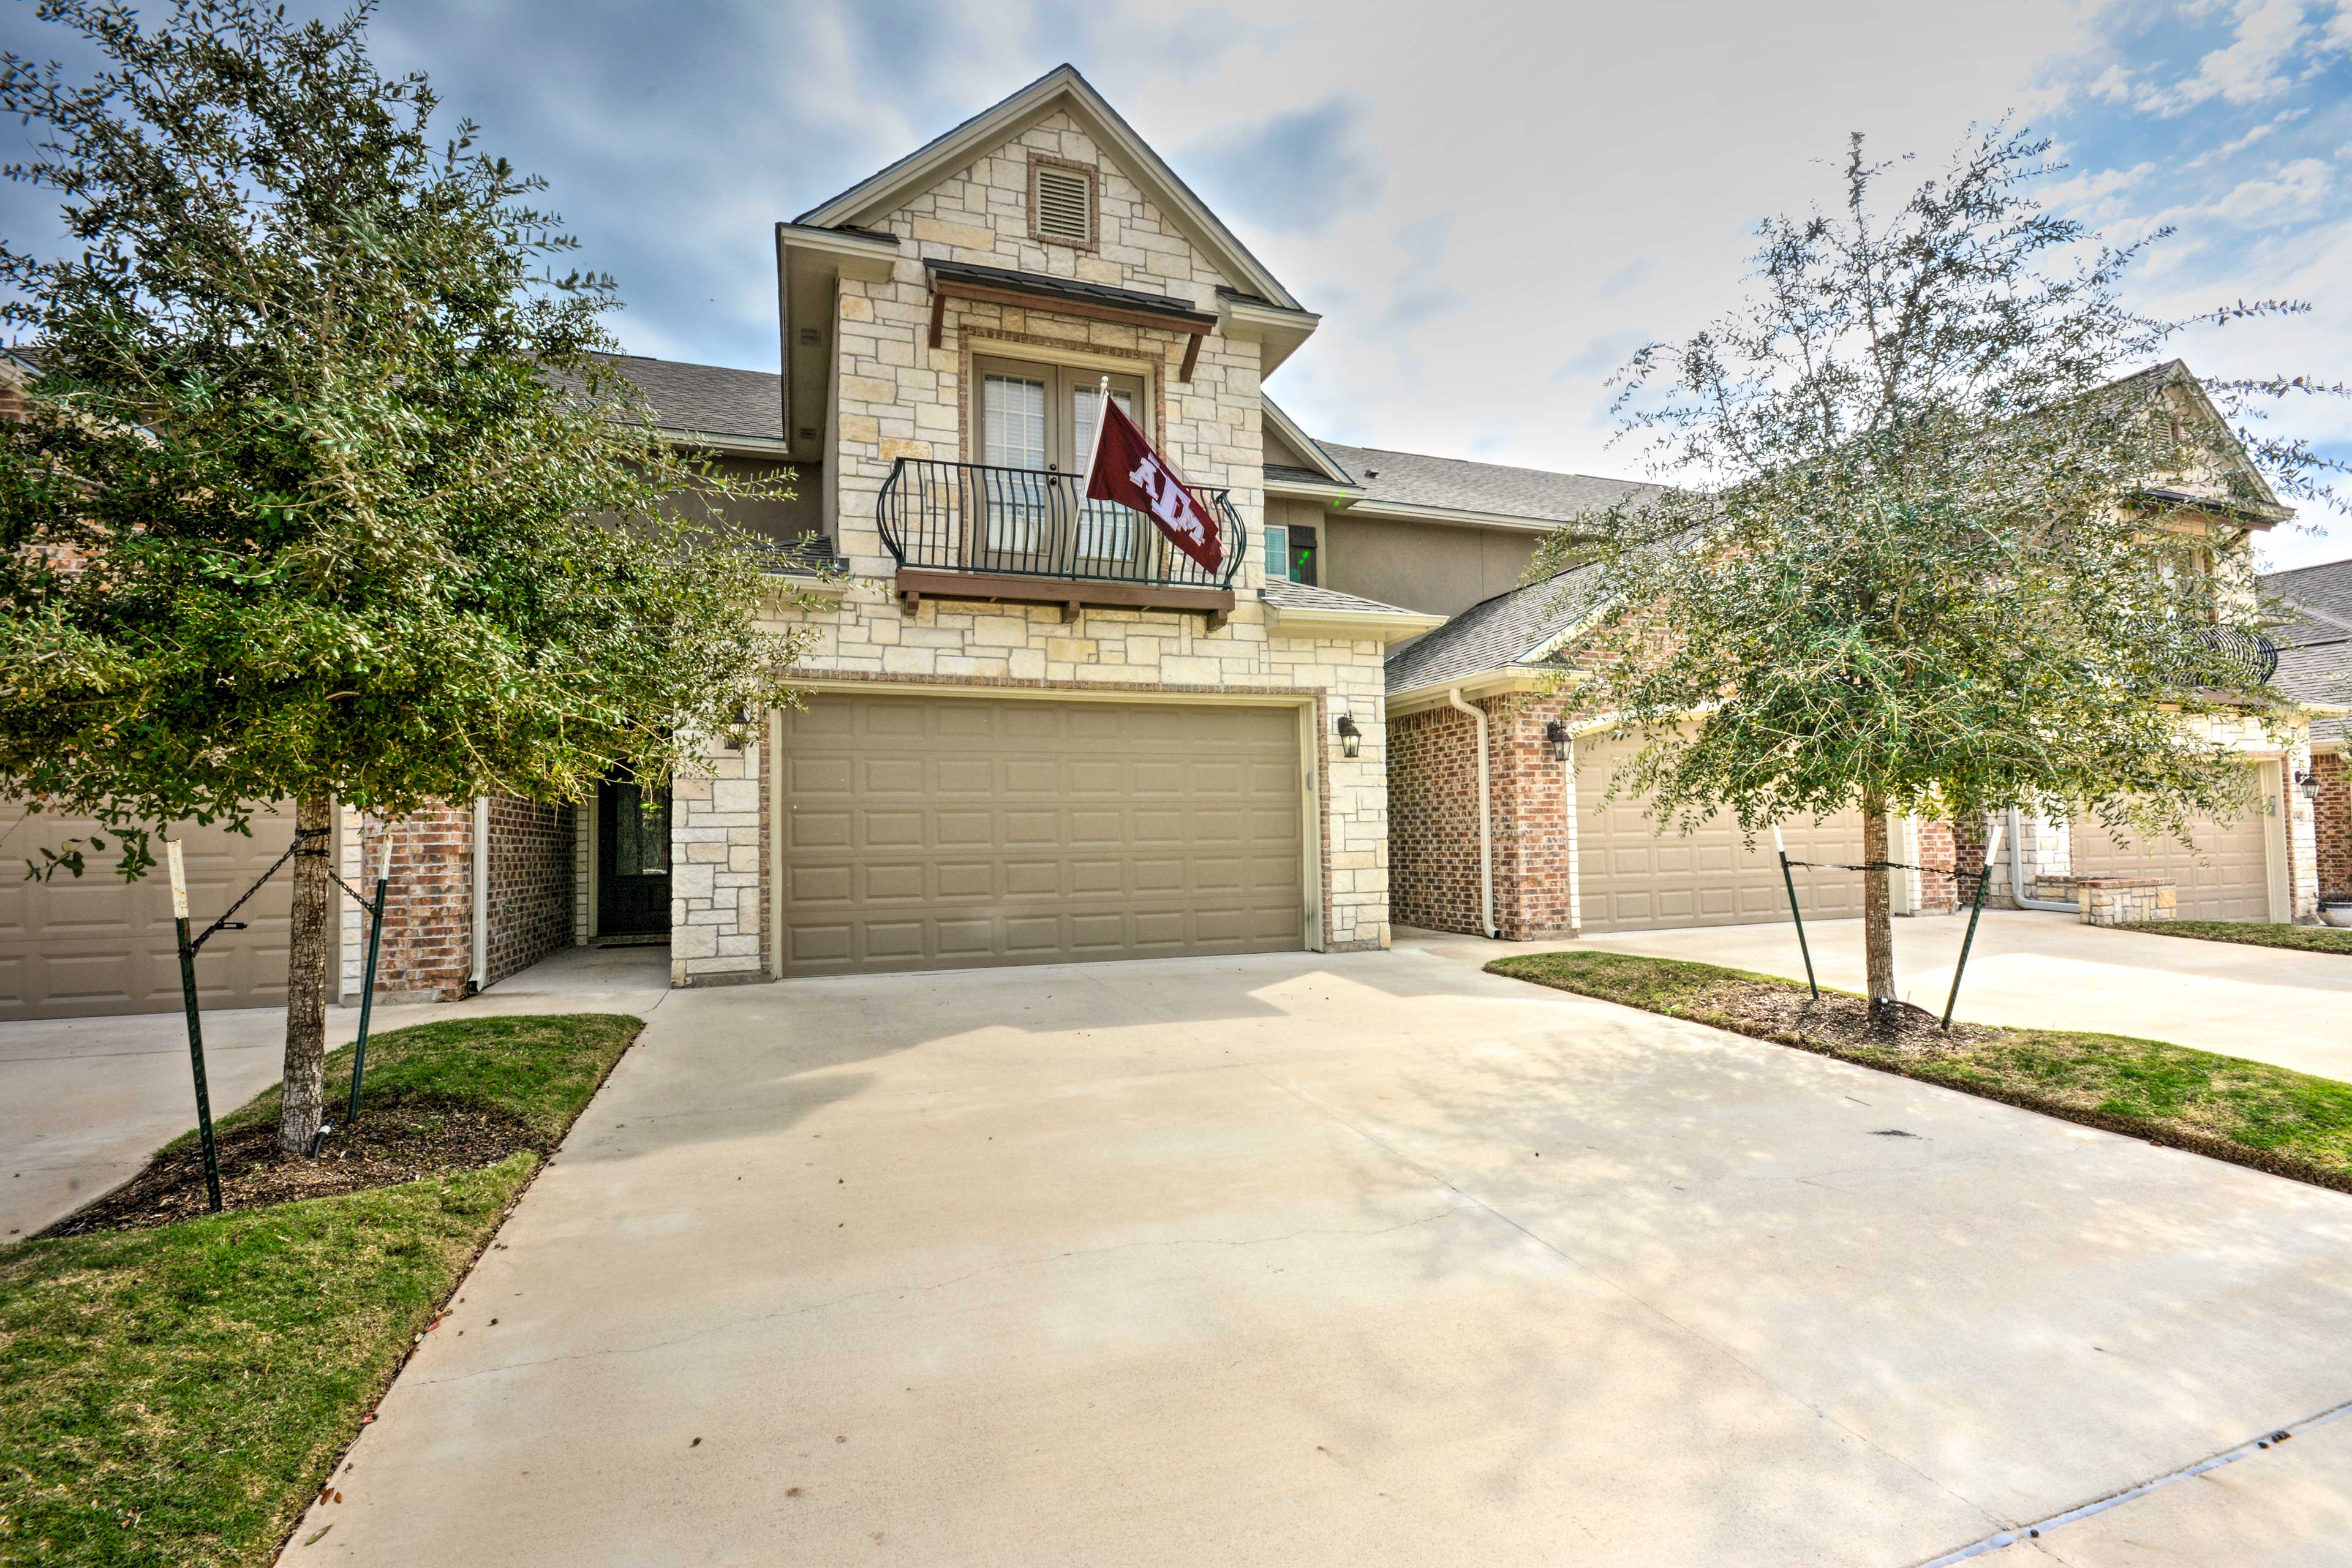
[738, 734]
[1556, 736]
[2308, 783]
[1351, 740]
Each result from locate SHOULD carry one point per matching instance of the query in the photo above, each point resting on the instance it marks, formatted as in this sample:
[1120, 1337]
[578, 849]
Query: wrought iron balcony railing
[2251, 657]
[1033, 523]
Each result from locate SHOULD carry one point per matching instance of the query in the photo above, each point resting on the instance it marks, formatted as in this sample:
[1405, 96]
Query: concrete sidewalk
[1321, 1260]
[85, 1101]
[2273, 1006]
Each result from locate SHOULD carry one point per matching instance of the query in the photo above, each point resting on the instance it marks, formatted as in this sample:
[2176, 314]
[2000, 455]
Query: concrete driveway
[2291, 1008]
[84, 1102]
[1305, 1260]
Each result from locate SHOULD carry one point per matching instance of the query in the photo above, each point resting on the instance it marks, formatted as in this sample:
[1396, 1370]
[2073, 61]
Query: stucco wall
[1439, 570]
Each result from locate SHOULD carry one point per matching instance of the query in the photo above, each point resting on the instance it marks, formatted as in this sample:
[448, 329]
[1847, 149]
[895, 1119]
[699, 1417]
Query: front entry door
[632, 859]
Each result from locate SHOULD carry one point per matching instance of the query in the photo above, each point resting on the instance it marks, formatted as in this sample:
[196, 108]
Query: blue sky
[1489, 205]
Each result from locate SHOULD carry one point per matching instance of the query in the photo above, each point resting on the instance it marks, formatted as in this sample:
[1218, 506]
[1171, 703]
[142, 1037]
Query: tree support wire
[191, 945]
[1976, 906]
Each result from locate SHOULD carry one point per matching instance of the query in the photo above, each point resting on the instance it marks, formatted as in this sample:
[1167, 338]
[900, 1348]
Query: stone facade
[2119, 900]
[2332, 825]
[719, 871]
[895, 395]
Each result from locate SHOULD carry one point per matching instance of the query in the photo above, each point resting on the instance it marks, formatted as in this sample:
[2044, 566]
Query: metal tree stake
[367, 986]
[1789, 880]
[195, 1031]
[1984, 881]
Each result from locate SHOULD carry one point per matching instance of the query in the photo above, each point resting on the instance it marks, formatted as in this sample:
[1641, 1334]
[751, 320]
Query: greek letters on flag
[1127, 470]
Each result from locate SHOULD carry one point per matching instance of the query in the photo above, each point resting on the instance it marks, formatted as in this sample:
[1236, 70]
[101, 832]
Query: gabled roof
[1409, 482]
[1323, 468]
[1513, 633]
[1059, 88]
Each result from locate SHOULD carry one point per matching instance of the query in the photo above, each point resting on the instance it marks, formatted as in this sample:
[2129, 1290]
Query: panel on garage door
[81, 947]
[1636, 875]
[951, 833]
[2224, 877]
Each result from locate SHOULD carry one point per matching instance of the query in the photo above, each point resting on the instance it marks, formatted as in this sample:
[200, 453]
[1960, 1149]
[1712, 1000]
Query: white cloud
[2290, 195]
[2252, 69]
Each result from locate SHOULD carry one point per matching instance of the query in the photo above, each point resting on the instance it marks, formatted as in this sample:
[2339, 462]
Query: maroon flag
[1127, 470]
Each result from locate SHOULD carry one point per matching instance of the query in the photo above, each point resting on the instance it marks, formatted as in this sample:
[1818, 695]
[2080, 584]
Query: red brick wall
[1940, 853]
[1434, 820]
[428, 926]
[1530, 819]
[530, 884]
[2332, 810]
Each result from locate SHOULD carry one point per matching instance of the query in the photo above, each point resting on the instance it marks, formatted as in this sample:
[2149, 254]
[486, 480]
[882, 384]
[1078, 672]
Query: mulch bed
[393, 1142]
[1835, 1019]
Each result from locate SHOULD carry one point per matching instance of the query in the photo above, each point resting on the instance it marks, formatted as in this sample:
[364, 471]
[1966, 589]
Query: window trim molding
[1093, 177]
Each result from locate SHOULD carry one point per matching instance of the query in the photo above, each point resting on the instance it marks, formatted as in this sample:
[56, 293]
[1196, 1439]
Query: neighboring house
[1496, 685]
[2315, 642]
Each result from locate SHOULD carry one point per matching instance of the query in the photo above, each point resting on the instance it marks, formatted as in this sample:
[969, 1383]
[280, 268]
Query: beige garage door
[80, 947]
[1637, 876]
[2225, 876]
[951, 833]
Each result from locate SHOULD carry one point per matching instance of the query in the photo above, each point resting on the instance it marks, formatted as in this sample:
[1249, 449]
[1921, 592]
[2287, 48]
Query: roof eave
[1407, 511]
[1308, 448]
[1354, 626]
[1501, 680]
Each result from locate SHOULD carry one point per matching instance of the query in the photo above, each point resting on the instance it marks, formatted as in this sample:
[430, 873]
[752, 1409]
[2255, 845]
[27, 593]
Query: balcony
[2250, 658]
[967, 531]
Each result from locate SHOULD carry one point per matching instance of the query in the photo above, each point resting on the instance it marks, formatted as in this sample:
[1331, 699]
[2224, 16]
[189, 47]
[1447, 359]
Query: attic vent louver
[1062, 204]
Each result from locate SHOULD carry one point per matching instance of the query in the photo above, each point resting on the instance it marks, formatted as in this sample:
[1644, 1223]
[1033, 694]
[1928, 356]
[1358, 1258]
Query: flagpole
[1094, 447]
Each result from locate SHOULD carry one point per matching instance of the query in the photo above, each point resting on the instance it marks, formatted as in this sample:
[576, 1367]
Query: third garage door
[1636, 875]
[947, 833]
[2226, 877]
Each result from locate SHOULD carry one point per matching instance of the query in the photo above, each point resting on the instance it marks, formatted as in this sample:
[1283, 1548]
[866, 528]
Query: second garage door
[1636, 875]
[947, 833]
[2225, 876]
[75, 947]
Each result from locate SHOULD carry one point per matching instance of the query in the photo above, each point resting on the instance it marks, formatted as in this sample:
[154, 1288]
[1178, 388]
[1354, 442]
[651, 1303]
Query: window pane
[653, 834]
[1278, 553]
[624, 829]
[1013, 410]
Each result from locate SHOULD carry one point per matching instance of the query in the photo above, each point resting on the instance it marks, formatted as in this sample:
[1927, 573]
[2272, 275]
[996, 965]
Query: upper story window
[1062, 206]
[1289, 553]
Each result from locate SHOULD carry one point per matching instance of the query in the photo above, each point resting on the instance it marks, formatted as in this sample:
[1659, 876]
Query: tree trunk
[1877, 904]
[309, 946]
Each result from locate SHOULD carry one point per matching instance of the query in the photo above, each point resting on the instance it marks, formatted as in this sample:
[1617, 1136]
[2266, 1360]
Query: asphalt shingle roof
[1309, 597]
[708, 399]
[1509, 629]
[2320, 597]
[1066, 289]
[1454, 484]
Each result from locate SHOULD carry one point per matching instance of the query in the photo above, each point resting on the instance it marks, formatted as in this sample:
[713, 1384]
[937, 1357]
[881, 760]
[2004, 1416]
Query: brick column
[2332, 825]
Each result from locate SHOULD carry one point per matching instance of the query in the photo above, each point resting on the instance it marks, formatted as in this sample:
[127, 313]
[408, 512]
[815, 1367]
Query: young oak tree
[322, 493]
[1922, 550]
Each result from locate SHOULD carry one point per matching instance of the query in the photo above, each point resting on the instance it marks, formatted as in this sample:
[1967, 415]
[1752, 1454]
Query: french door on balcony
[1033, 426]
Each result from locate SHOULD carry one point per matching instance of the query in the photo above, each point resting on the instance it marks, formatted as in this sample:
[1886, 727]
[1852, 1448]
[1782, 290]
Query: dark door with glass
[632, 859]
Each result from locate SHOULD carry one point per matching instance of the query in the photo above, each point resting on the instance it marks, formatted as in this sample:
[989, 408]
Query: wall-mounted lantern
[1351, 740]
[1556, 737]
[2309, 784]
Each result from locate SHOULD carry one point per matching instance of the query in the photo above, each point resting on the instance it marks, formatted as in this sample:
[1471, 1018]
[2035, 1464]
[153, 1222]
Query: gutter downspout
[2017, 872]
[481, 976]
[1485, 817]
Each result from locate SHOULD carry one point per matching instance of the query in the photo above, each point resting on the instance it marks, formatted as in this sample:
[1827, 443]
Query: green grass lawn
[2252, 1113]
[2304, 939]
[176, 1395]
